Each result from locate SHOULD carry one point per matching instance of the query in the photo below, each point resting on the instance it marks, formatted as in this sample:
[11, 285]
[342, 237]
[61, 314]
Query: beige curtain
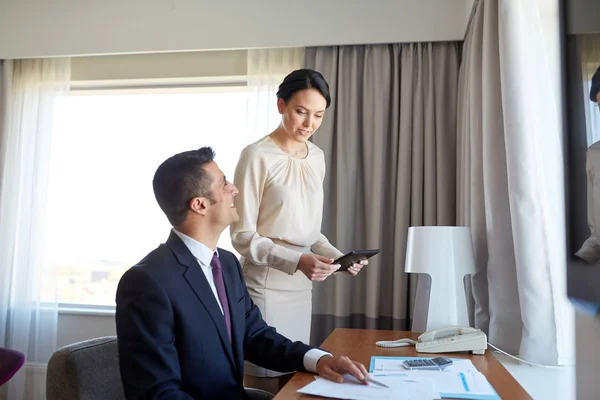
[31, 91]
[510, 177]
[390, 145]
[266, 69]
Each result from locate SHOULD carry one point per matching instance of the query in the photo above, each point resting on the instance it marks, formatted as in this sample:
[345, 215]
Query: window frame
[144, 86]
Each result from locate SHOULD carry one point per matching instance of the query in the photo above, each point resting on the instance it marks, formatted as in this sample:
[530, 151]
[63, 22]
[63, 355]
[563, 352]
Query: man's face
[598, 98]
[222, 211]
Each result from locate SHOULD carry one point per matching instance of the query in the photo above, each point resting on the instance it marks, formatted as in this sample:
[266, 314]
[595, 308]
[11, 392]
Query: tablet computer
[354, 256]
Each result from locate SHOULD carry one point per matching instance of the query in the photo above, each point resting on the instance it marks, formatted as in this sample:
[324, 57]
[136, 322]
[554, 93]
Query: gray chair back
[258, 394]
[86, 370]
[89, 370]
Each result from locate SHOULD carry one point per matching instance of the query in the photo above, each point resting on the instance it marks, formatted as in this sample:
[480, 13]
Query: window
[102, 215]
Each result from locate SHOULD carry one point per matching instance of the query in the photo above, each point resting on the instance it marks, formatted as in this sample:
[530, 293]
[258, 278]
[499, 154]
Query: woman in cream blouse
[280, 202]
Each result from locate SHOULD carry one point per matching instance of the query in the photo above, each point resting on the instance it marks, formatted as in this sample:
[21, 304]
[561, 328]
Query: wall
[35, 28]
[159, 66]
[588, 362]
[74, 328]
[582, 16]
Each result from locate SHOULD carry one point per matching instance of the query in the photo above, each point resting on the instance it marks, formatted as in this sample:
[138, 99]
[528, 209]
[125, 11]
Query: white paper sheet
[463, 385]
[460, 380]
[400, 388]
[455, 385]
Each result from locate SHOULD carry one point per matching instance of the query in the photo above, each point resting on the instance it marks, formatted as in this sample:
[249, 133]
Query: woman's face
[303, 114]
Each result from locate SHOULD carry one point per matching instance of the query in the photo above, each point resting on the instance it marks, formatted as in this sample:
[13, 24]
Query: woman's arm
[324, 248]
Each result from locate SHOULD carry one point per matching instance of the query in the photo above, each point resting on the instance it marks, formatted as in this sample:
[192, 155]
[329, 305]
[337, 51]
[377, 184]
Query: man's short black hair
[595, 86]
[180, 179]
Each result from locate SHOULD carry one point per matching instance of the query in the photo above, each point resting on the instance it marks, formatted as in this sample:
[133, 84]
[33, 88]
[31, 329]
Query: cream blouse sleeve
[250, 177]
[324, 248]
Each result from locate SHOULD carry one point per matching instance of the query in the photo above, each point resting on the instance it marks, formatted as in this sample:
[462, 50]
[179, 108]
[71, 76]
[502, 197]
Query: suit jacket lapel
[197, 281]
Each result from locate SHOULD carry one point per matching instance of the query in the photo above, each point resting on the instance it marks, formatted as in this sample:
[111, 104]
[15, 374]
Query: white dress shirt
[204, 256]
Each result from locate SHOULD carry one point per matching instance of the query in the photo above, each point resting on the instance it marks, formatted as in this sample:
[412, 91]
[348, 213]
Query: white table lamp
[446, 254]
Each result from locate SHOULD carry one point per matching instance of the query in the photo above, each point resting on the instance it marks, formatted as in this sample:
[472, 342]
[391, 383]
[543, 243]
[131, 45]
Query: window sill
[79, 309]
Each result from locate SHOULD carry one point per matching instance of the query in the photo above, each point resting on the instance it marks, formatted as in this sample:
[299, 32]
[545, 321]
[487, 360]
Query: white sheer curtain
[510, 174]
[266, 70]
[589, 48]
[28, 308]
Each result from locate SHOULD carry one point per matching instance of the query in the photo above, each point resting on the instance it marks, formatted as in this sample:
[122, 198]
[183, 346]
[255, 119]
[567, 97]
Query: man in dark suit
[185, 321]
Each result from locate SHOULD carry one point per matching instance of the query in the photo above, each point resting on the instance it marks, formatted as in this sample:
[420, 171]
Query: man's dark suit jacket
[172, 337]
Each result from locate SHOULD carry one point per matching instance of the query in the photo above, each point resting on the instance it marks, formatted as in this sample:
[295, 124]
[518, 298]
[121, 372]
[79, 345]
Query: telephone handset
[445, 340]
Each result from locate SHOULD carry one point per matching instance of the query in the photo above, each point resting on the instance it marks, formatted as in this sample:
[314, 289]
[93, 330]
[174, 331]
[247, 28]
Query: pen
[376, 382]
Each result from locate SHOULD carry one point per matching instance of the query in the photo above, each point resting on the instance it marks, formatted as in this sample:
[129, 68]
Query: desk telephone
[445, 340]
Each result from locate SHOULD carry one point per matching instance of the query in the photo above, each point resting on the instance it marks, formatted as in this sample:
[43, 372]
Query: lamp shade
[445, 253]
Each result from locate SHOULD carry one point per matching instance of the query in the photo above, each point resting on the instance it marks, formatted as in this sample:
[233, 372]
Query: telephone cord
[409, 342]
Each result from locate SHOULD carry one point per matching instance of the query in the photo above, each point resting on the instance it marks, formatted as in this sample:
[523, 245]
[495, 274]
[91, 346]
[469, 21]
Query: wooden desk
[359, 345]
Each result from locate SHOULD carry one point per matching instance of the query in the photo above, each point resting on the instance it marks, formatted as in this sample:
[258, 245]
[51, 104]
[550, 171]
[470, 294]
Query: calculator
[438, 363]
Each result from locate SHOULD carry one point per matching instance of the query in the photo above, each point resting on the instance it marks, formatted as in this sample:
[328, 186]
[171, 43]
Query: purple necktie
[218, 278]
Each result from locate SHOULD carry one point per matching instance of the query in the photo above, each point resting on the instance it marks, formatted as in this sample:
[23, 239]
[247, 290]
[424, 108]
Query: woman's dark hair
[301, 79]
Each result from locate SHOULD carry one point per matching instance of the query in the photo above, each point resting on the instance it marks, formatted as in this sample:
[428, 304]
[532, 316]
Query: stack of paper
[461, 380]
[399, 388]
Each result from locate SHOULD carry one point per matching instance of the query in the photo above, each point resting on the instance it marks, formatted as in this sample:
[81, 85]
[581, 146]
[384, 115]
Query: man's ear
[280, 105]
[200, 205]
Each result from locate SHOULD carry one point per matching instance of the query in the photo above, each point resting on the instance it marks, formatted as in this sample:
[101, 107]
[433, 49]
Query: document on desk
[399, 388]
[458, 381]
[459, 385]
[386, 364]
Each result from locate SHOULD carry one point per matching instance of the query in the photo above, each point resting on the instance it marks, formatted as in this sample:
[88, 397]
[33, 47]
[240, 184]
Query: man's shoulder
[155, 264]
[156, 257]
[227, 257]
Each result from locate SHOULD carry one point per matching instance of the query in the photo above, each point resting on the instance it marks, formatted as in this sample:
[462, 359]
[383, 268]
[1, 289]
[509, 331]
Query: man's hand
[332, 368]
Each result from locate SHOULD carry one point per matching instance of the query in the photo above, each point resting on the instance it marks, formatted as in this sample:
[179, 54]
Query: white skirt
[285, 302]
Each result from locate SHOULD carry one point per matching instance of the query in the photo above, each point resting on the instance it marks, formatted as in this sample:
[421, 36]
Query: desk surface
[359, 345]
